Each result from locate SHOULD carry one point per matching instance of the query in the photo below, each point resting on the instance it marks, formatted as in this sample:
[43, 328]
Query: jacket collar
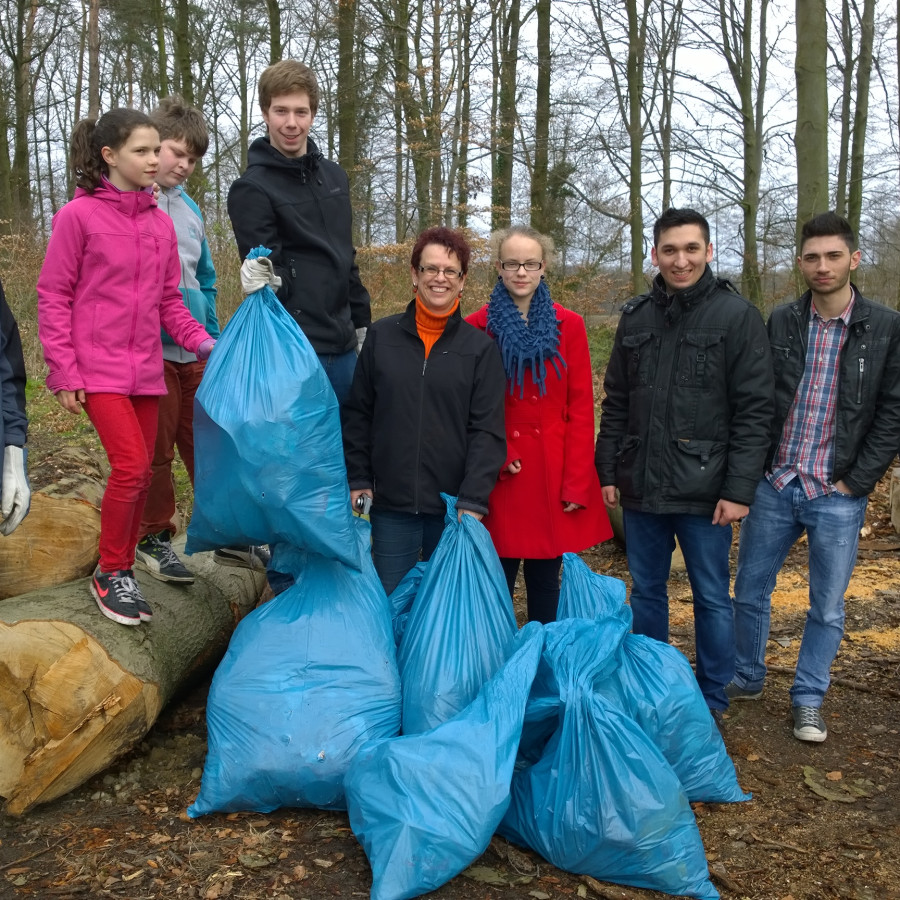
[858, 315]
[408, 319]
[129, 203]
[687, 298]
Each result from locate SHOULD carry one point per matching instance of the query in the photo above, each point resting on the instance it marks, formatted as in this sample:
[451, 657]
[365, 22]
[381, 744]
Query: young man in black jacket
[297, 203]
[836, 430]
[683, 437]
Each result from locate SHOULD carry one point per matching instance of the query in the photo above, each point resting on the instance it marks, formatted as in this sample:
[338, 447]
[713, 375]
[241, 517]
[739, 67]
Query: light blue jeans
[776, 520]
[649, 542]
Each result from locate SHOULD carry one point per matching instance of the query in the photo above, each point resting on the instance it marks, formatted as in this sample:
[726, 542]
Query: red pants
[175, 429]
[127, 429]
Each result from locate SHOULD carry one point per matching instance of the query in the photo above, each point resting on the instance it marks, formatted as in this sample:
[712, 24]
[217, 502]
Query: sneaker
[116, 594]
[809, 724]
[155, 556]
[252, 557]
[736, 692]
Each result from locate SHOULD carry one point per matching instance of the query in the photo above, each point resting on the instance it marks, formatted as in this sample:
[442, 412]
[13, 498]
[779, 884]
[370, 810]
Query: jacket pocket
[701, 360]
[630, 467]
[698, 470]
[639, 353]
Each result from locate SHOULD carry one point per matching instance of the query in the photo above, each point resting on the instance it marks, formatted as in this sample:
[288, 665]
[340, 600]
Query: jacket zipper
[859, 386]
[419, 441]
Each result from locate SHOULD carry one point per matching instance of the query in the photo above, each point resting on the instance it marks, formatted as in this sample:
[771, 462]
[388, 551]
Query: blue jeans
[339, 368]
[397, 540]
[776, 520]
[649, 542]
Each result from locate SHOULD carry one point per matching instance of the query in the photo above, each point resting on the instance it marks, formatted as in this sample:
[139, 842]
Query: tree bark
[78, 690]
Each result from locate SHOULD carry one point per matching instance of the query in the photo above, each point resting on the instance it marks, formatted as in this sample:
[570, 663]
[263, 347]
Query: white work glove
[360, 338]
[15, 498]
[257, 273]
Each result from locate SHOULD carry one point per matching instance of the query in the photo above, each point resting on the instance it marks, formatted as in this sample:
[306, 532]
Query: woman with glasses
[547, 500]
[425, 412]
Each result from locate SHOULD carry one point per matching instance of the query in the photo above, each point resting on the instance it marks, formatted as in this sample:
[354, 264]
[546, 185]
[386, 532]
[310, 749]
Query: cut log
[78, 690]
[57, 542]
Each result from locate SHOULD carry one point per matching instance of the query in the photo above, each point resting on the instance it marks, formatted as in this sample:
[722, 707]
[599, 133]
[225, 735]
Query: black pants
[541, 585]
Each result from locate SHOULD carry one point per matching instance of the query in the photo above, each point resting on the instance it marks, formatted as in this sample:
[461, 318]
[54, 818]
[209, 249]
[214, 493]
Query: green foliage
[600, 341]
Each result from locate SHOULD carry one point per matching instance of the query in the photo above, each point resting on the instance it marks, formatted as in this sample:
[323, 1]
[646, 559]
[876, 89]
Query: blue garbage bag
[269, 462]
[420, 828]
[460, 628]
[653, 683]
[585, 594]
[308, 678]
[403, 596]
[602, 800]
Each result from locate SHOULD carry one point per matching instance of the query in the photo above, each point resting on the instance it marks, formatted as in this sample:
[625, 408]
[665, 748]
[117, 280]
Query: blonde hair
[500, 237]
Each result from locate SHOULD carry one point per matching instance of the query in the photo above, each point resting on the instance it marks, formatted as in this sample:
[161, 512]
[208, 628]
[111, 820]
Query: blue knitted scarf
[524, 344]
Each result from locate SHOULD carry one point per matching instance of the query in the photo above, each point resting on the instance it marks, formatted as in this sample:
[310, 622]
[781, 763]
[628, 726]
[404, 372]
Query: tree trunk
[77, 690]
[540, 179]
[861, 115]
[811, 132]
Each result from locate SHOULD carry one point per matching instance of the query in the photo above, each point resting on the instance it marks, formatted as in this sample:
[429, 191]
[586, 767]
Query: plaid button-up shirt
[806, 448]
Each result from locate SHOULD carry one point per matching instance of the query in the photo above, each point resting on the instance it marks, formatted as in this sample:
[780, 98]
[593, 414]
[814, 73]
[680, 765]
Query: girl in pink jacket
[109, 280]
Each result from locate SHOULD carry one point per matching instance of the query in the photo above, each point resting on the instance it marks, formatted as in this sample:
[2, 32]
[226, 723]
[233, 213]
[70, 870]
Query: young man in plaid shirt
[836, 430]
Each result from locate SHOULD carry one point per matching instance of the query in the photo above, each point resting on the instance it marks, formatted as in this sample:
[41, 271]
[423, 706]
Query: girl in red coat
[547, 500]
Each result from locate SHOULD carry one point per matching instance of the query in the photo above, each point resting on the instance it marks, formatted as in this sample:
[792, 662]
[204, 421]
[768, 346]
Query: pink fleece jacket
[109, 280]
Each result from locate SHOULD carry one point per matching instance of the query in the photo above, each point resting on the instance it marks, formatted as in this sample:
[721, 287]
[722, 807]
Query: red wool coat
[553, 437]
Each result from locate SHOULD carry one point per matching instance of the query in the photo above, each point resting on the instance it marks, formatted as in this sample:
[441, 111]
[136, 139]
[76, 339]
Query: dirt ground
[824, 821]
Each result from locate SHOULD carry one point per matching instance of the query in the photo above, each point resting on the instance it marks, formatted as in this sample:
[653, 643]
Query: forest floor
[824, 821]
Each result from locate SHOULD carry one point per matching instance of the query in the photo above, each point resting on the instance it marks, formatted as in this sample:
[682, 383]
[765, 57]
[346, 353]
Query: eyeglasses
[434, 271]
[510, 265]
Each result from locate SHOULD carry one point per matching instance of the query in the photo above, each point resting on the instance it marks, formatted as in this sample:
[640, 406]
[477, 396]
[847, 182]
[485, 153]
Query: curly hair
[450, 240]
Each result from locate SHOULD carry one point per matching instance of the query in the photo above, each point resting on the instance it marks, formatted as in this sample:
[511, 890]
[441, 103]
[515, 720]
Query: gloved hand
[360, 338]
[205, 349]
[257, 273]
[15, 498]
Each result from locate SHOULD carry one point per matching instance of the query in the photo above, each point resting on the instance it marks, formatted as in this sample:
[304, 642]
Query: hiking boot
[736, 692]
[155, 556]
[252, 557]
[116, 594]
[809, 724]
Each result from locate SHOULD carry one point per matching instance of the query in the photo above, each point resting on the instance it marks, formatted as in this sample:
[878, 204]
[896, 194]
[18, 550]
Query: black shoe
[155, 556]
[734, 691]
[117, 596]
[718, 716]
[251, 557]
[809, 724]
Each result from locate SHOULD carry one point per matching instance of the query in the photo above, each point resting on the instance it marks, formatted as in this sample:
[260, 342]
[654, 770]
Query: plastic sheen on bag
[601, 799]
[308, 678]
[460, 628]
[269, 462]
[418, 830]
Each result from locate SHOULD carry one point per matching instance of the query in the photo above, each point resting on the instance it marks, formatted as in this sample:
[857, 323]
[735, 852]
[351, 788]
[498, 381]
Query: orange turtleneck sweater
[431, 325]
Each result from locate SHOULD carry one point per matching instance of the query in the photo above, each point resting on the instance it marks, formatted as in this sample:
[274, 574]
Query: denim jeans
[776, 520]
[397, 540]
[339, 368]
[649, 542]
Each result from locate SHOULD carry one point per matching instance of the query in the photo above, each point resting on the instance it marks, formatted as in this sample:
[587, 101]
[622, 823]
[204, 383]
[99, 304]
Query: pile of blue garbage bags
[429, 715]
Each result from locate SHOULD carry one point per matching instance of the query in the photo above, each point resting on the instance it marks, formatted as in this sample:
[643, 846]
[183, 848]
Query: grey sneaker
[155, 556]
[736, 692]
[117, 594]
[809, 724]
[252, 557]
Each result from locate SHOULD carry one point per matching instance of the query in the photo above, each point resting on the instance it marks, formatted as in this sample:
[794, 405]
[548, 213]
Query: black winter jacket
[414, 428]
[867, 417]
[689, 400]
[300, 209]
